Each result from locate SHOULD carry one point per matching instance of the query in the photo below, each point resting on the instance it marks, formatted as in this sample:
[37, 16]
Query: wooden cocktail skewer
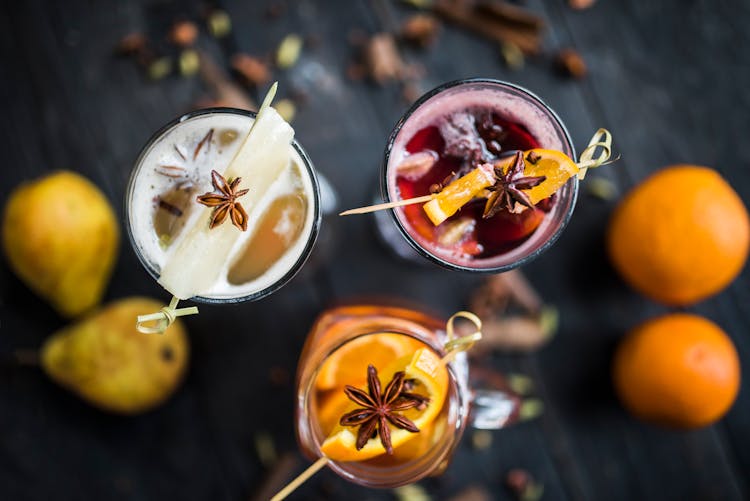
[301, 479]
[388, 205]
[601, 139]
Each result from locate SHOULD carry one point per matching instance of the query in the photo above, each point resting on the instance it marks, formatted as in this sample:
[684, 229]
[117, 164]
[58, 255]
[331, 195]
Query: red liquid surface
[480, 238]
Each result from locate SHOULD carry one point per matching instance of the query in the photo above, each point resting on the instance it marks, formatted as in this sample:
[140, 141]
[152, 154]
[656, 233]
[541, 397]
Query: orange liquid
[279, 228]
[348, 366]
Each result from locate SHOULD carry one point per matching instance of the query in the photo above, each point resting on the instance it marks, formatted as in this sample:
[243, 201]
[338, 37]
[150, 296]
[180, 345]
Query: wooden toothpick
[388, 205]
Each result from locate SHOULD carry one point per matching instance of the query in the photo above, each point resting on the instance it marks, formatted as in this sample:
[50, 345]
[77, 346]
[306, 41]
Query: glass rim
[572, 184]
[306, 251]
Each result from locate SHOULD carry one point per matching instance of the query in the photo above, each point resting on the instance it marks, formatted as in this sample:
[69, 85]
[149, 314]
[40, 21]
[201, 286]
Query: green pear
[107, 362]
[61, 238]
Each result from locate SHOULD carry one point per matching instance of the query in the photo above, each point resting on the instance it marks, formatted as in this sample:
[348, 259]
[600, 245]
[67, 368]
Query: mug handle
[498, 400]
[493, 409]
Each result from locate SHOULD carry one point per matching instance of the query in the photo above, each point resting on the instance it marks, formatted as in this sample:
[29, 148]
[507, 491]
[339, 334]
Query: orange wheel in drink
[678, 370]
[680, 236]
[430, 378]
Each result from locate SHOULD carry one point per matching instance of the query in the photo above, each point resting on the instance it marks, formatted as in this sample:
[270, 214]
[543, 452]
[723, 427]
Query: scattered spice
[356, 71]
[172, 209]
[411, 492]
[507, 190]
[513, 315]
[523, 486]
[512, 56]
[520, 384]
[481, 440]
[421, 29]
[356, 37]
[380, 407]
[266, 449]
[601, 188]
[224, 91]
[519, 333]
[382, 58]
[313, 41]
[252, 70]
[286, 108]
[224, 200]
[498, 291]
[183, 33]
[289, 51]
[571, 63]
[581, 4]
[498, 21]
[472, 493]
[189, 62]
[173, 171]
[530, 408]
[219, 23]
[275, 10]
[131, 44]
[180, 153]
[159, 68]
[419, 4]
[206, 140]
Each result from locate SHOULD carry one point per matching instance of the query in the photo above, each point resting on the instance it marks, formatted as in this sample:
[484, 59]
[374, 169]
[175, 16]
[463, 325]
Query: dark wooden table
[670, 79]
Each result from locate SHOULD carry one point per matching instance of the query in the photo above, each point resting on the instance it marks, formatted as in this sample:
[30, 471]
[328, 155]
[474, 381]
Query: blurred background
[86, 83]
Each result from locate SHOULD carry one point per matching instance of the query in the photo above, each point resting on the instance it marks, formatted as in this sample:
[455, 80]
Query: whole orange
[680, 236]
[678, 370]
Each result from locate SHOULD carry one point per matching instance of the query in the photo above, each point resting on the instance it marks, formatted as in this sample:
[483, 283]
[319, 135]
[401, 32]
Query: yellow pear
[61, 238]
[107, 362]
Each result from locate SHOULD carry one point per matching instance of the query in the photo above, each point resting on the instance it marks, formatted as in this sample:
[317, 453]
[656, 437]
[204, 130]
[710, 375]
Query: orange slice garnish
[348, 364]
[431, 379]
[459, 193]
[556, 166]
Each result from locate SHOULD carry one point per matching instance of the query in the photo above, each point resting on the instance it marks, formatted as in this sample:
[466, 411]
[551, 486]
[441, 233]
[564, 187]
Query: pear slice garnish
[198, 259]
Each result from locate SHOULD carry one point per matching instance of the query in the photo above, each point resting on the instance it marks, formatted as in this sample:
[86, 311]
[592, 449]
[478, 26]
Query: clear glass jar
[337, 327]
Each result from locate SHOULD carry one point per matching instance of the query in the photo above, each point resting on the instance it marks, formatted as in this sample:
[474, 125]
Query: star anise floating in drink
[380, 407]
[507, 190]
[224, 199]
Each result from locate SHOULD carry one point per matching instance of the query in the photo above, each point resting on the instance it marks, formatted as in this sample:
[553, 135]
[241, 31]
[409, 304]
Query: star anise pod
[380, 407]
[508, 187]
[224, 199]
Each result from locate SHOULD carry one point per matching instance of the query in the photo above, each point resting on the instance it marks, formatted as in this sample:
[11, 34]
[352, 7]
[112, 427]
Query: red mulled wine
[461, 141]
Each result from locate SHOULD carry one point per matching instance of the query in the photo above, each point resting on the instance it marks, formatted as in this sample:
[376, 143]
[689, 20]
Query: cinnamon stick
[497, 21]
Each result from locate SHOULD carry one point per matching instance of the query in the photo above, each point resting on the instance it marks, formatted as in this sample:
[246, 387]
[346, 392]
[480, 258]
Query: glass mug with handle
[407, 361]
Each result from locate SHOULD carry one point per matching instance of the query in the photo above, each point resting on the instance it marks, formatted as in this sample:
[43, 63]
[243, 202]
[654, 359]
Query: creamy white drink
[170, 228]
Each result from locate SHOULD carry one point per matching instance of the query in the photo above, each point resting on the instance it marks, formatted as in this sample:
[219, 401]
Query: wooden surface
[670, 79]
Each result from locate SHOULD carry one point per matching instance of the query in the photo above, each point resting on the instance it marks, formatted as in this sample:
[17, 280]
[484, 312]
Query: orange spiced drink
[378, 397]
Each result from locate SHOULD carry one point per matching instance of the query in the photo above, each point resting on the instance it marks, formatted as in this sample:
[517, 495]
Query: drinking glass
[511, 102]
[141, 240]
[339, 326]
